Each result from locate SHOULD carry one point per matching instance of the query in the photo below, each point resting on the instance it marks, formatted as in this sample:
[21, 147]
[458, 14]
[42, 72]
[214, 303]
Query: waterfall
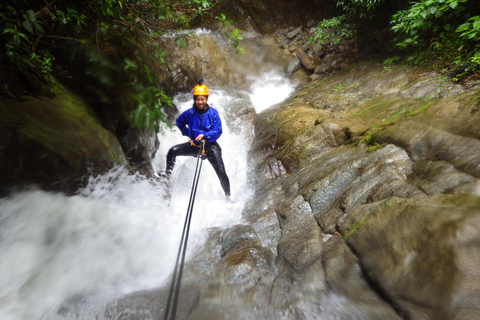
[66, 257]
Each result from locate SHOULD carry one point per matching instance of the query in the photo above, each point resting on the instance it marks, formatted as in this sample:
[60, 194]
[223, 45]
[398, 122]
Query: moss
[357, 226]
[373, 147]
[421, 108]
[65, 126]
[463, 199]
[403, 111]
[376, 108]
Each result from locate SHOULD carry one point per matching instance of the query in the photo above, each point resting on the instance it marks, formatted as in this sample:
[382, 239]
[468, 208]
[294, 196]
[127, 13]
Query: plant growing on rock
[234, 35]
[332, 31]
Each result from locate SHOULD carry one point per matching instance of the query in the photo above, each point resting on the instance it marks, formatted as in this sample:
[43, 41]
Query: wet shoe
[230, 200]
[161, 175]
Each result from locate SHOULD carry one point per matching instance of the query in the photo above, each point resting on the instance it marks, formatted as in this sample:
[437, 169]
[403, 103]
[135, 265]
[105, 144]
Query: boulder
[55, 143]
[427, 258]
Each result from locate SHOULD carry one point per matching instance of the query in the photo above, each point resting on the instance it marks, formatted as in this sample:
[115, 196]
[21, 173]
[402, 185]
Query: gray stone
[292, 66]
[294, 33]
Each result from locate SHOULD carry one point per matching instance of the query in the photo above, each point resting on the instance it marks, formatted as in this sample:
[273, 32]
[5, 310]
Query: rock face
[53, 143]
[269, 15]
[366, 207]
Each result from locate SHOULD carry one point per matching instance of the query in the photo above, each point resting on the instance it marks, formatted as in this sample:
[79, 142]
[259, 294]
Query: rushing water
[65, 257]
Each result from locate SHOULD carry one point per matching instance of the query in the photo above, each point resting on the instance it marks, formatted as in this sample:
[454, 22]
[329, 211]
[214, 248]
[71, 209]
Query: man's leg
[182, 149]
[214, 156]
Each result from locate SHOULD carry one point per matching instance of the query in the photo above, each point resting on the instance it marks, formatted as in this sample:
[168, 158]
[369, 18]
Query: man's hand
[199, 137]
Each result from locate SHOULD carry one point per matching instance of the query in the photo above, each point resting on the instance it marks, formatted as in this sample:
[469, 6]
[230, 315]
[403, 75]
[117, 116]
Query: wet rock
[318, 50]
[434, 177]
[284, 42]
[305, 60]
[294, 32]
[424, 142]
[54, 143]
[292, 66]
[345, 277]
[242, 277]
[433, 264]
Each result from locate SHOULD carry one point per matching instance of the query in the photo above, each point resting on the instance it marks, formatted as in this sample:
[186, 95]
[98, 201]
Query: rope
[177, 278]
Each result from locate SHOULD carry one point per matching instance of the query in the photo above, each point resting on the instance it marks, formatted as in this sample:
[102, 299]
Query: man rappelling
[203, 126]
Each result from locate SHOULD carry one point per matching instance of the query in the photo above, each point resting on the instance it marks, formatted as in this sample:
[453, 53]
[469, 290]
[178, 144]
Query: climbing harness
[203, 155]
[178, 271]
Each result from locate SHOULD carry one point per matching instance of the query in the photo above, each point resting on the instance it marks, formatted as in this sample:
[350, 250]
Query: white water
[119, 234]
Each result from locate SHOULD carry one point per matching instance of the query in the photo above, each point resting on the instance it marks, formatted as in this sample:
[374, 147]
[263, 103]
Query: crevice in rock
[375, 286]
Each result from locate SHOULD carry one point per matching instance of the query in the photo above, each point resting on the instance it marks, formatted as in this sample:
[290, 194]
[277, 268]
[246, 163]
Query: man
[200, 123]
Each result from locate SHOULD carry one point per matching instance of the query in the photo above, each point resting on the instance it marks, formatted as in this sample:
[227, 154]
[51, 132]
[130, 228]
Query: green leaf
[8, 31]
[16, 40]
[476, 25]
[39, 27]
[464, 27]
[27, 26]
[29, 15]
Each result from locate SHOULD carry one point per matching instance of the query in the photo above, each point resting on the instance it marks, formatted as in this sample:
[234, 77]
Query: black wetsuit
[214, 156]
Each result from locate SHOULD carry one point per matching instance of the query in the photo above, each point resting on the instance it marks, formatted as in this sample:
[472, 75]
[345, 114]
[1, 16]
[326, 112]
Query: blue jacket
[192, 123]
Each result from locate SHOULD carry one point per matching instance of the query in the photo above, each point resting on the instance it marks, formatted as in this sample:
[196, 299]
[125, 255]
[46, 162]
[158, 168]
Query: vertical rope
[178, 271]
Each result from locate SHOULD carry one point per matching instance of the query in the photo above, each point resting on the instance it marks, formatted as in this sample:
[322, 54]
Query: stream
[66, 257]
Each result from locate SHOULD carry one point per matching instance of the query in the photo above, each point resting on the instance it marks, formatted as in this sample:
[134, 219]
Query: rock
[320, 68]
[292, 66]
[344, 275]
[318, 50]
[284, 42]
[294, 33]
[305, 60]
[433, 269]
[54, 143]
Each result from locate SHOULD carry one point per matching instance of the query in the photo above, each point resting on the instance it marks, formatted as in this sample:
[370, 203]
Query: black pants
[214, 156]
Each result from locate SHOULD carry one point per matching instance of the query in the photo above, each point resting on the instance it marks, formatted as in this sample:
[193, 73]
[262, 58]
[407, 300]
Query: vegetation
[447, 29]
[440, 34]
[234, 35]
[332, 31]
[77, 42]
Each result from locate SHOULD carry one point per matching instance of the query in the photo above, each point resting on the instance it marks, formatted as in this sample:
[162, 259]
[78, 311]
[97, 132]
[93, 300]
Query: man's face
[200, 101]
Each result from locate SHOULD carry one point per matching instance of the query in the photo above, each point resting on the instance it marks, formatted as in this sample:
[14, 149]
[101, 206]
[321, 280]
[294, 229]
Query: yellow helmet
[200, 89]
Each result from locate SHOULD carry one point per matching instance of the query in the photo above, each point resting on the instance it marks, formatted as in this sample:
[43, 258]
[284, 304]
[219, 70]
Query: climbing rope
[178, 271]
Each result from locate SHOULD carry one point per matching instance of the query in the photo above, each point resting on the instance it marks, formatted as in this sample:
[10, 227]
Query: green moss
[421, 108]
[357, 226]
[376, 108]
[463, 199]
[403, 111]
[373, 147]
[65, 125]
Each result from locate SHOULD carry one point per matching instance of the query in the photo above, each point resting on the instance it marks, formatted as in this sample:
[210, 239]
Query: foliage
[359, 8]
[332, 31]
[234, 35]
[446, 28]
[79, 40]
